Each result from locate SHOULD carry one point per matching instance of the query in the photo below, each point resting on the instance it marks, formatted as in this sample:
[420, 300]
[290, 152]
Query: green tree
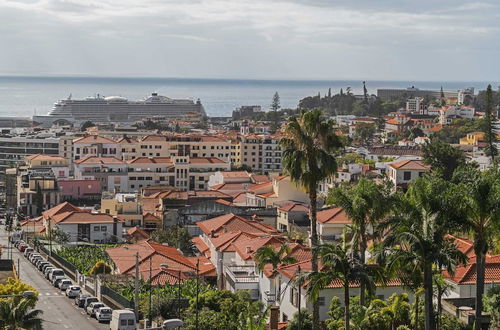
[481, 217]
[39, 199]
[491, 302]
[60, 236]
[18, 314]
[416, 236]
[443, 158]
[488, 129]
[365, 203]
[305, 321]
[86, 125]
[275, 106]
[365, 132]
[268, 255]
[309, 145]
[338, 264]
[176, 236]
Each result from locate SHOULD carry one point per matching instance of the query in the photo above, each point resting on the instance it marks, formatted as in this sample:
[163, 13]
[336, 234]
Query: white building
[95, 146]
[404, 172]
[110, 171]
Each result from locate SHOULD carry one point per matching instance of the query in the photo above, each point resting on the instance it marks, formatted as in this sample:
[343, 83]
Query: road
[59, 312]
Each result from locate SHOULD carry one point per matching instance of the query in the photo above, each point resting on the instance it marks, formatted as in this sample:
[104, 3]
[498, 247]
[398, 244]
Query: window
[104, 228]
[406, 175]
[420, 174]
[321, 301]
[123, 322]
[96, 228]
[201, 186]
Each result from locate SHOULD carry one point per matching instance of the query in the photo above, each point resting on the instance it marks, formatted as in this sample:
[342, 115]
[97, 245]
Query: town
[375, 211]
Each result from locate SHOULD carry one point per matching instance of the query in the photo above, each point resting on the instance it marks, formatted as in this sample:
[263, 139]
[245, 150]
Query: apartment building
[13, 150]
[110, 171]
[183, 172]
[95, 146]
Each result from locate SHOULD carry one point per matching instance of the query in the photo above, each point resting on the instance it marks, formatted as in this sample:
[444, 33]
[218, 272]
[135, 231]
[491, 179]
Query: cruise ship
[118, 109]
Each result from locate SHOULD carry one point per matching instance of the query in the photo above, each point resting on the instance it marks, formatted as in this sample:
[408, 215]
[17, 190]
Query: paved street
[59, 312]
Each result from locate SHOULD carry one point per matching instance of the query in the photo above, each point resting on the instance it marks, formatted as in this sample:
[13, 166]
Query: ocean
[25, 96]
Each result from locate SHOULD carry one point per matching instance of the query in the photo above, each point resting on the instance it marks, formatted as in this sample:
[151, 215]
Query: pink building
[79, 189]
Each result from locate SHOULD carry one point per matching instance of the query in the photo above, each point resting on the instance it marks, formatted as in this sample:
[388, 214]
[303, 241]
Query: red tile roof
[333, 215]
[150, 160]
[294, 207]
[467, 274]
[247, 248]
[93, 139]
[231, 222]
[99, 160]
[201, 246]
[82, 217]
[60, 208]
[410, 164]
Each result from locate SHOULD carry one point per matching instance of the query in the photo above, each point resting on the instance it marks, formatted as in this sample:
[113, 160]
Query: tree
[275, 106]
[488, 128]
[308, 145]
[365, 204]
[416, 235]
[443, 158]
[39, 199]
[18, 314]
[365, 132]
[268, 255]
[443, 99]
[60, 236]
[305, 320]
[481, 217]
[338, 264]
[86, 125]
[100, 268]
[176, 236]
[491, 302]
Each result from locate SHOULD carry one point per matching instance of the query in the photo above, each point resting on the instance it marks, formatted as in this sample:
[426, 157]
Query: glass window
[407, 175]
[96, 228]
[103, 228]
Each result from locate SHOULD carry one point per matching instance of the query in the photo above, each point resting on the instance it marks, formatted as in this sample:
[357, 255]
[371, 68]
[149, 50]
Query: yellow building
[472, 139]
[124, 206]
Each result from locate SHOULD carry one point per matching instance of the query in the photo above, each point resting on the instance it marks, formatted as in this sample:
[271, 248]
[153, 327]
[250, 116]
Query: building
[110, 171]
[331, 224]
[415, 105]
[291, 215]
[95, 146]
[387, 94]
[81, 225]
[473, 139]
[404, 172]
[13, 150]
[125, 206]
[449, 113]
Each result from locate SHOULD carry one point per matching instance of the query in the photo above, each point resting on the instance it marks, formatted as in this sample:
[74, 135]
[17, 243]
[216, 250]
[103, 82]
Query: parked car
[44, 267]
[41, 264]
[80, 299]
[93, 307]
[34, 256]
[88, 301]
[47, 271]
[57, 279]
[73, 291]
[103, 314]
[23, 247]
[39, 261]
[122, 319]
[56, 272]
[27, 251]
[65, 284]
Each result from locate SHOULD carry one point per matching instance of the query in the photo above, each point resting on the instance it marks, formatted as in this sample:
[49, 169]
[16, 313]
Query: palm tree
[482, 215]
[416, 236]
[309, 144]
[338, 264]
[366, 204]
[17, 314]
[268, 255]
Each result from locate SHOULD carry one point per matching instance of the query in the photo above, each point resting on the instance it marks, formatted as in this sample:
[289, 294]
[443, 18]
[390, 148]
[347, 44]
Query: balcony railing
[242, 274]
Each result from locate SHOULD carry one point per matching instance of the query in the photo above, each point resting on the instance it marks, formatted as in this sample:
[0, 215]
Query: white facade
[99, 232]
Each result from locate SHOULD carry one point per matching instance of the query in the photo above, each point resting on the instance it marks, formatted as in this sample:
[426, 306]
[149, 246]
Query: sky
[445, 40]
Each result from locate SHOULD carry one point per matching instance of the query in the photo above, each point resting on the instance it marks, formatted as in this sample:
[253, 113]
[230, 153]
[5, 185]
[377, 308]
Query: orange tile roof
[201, 246]
[83, 217]
[410, 164]
[224, 202]
[259, 178]
[45, 157]
[333, 215]
[99, 160]
[137, 233]
[467, 274]
[268, 185]
[60, 208]
[206, 160]
[231, 222]
[93, 139]
[231, 186]
[151, 160]
[126, 139]
[248, 247]
[294, 207]
[206, 268]
[223, 242]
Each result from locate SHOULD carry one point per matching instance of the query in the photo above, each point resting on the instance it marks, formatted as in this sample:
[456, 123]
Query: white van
[122, 319]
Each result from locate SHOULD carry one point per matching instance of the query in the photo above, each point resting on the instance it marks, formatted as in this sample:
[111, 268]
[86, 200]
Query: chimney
[274, 317]
[212, 233]
[248, 249]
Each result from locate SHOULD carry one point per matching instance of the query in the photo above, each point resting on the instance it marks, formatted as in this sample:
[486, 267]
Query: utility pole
[136, 302]
[197, 289]
[150, 292]
[300, 285]
[18, 269]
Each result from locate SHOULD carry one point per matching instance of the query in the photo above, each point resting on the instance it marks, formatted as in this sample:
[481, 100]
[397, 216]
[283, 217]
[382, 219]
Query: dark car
[88, 301]
[80, 300]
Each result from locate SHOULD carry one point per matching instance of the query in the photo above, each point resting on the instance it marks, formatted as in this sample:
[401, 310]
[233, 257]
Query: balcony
[243, 278]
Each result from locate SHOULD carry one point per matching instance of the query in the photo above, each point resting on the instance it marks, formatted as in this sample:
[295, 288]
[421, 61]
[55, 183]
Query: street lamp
[24, 294]
[178, 291]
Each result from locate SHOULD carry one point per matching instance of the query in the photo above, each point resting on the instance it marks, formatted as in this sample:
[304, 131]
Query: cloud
[244, 38]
